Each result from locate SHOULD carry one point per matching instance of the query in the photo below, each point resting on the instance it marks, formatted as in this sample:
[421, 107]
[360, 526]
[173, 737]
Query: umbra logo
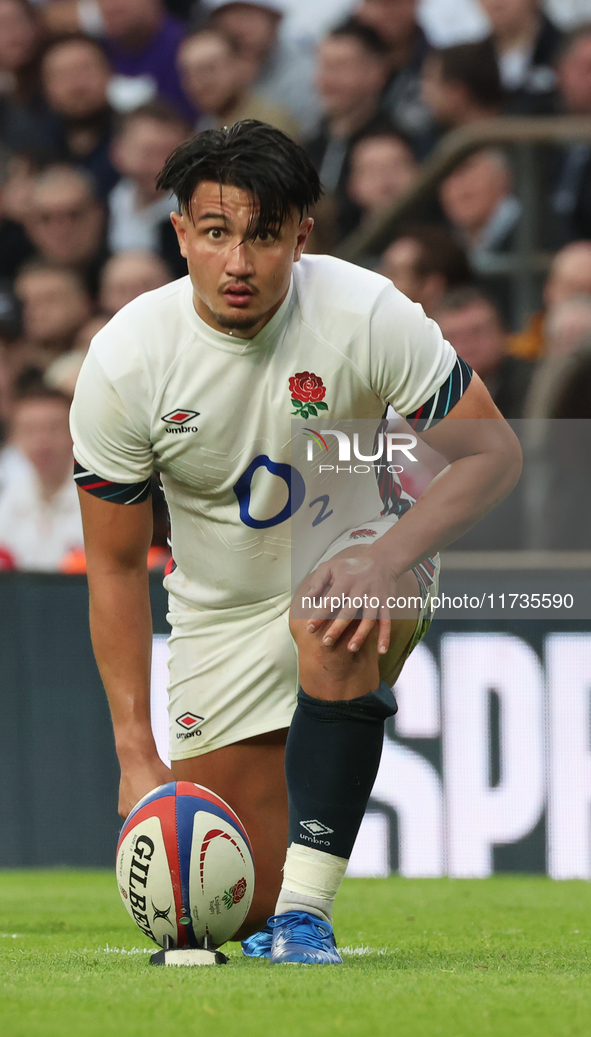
[316, 828]
[179, 416]
[189, 720]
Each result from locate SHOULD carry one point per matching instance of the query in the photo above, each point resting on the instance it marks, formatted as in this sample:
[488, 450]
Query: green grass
[427, 958]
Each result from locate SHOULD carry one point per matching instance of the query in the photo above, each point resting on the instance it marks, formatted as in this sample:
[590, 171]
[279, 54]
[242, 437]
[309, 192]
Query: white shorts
[234, 672]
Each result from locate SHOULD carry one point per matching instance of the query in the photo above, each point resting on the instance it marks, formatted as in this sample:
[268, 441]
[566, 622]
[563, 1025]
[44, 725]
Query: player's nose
[239, 261]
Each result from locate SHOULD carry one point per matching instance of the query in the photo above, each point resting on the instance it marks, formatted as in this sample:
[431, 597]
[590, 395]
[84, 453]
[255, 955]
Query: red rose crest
[362, 533]
[238, 891]
[307, 394]
[234, 894]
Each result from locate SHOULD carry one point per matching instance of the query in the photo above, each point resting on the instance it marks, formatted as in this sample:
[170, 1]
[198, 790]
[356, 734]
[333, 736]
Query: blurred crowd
[94, 95]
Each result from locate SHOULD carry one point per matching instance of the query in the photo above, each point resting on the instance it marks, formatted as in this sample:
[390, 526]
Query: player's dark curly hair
[257, 158]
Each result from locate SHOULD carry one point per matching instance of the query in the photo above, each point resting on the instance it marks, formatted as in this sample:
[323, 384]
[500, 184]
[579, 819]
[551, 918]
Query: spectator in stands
[569, 276]
[66, 222]
[472, 322]
[20, 33]
[351, 75]
[39, 511]
[557, 473]
[574, 401]
[571, 182]
[478, 201]
[87, 332]
[24, 125]
[55, 305]
[424, 263]
[13, 463]
[567, 338]
[526, 43]
[142, 40]
[567, 326]
[63, 372]
[10, 315]
[19, 173]
[75, 75]
[382, 169]
[15, 247]
[461, 84]
[129, 274]
[217, 80]
[139, 214]
[569, 335]
[396, 22]
[473, 325]
[281, 68]
[570, 273]
[5, 397]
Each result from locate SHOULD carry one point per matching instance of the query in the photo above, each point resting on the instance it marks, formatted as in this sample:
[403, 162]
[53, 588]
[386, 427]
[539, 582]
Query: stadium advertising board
[487, 764]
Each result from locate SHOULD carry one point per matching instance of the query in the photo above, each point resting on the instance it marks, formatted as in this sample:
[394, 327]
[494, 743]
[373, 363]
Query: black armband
[117, 492]
[446, 397]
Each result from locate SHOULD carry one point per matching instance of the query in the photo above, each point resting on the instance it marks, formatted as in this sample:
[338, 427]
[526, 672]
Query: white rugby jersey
[162, 391]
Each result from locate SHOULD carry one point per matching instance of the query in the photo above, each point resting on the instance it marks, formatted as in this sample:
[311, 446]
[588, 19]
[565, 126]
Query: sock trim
[313, 873]
[375, 707]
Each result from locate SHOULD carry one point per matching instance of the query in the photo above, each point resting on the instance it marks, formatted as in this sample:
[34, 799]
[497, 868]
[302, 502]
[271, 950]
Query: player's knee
[311, 650]
[336, 673]
[312, 654]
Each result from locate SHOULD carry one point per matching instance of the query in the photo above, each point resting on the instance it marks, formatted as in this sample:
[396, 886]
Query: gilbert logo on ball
[184, 866]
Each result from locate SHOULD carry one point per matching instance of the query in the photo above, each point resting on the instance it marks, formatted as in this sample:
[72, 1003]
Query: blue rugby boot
[301, 937]
[259, 944]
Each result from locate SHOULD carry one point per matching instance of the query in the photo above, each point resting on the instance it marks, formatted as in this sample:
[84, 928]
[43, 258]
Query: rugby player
[198, 381]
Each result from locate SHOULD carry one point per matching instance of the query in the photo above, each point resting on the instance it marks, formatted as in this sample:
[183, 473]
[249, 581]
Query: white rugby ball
[185, 867]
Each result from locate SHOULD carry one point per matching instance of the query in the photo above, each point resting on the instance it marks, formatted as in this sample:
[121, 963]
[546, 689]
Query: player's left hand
[359, 576]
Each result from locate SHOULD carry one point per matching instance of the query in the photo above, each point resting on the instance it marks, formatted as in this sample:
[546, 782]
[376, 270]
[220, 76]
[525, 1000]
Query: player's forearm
[454, 502]
[121, 629]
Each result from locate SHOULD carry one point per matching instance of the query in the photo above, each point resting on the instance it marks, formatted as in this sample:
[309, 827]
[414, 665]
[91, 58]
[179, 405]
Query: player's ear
[178, 223]
[304, 230]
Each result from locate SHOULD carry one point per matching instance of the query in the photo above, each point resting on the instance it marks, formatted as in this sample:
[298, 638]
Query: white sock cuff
[313, 873]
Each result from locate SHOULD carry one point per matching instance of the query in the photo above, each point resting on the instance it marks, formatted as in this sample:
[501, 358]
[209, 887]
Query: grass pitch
[423, 958]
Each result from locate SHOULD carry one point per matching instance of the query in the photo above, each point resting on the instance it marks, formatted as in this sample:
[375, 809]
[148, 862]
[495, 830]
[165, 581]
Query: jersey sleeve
[412, 366]
[113, 459]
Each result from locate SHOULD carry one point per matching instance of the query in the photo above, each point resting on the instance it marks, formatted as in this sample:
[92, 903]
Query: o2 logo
[296, 491]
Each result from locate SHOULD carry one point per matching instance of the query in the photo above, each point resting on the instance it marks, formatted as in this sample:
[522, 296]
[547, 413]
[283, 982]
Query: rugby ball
[184, 866]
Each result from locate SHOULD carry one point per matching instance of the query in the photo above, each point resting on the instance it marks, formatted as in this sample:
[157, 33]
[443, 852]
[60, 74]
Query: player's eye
[215, 233]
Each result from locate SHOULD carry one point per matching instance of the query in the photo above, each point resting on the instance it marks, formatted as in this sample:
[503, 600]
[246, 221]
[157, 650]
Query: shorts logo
[189, 721]
[362, 533]
[180, 416]
[316, 828]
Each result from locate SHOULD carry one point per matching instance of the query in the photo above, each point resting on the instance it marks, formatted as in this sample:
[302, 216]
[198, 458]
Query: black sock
[331, 761]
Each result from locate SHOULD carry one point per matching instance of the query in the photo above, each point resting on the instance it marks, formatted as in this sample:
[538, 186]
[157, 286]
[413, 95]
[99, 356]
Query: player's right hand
[355, 573]
[139, 779]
